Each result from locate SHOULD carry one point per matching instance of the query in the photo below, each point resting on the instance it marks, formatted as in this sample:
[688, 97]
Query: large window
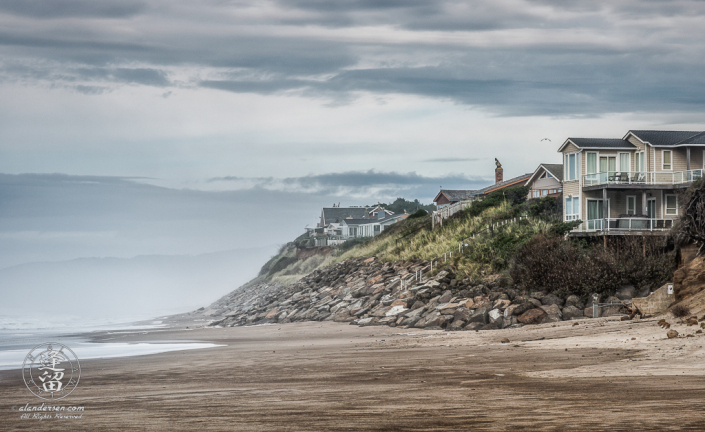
[572, 209]
[671, 205]
[624, 162]
[608, 164]
[667, 160]
[571, 167]
[640, 162]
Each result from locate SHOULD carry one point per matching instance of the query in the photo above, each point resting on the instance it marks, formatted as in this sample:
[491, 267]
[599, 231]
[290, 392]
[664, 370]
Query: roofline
[501, 186]
[609, 148]
[679, 145]
[629, 132]
[560, 149]
[439, 194]
[536, 172]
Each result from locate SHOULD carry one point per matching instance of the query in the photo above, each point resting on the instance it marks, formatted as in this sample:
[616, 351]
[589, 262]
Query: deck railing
[628, 224]
[643, 177]
[445, 212]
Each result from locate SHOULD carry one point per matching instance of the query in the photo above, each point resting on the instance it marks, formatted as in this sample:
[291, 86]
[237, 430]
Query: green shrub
[418, 213]
[574, 267]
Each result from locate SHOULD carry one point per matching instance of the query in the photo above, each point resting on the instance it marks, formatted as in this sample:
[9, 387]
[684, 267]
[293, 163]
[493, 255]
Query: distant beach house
[448, 197]
[339, 224]
[369, 227]
[547, 180]
[629, 185]
[337, 214]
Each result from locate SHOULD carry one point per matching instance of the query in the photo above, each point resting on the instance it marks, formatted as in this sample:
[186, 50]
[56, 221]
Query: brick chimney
[498, 172]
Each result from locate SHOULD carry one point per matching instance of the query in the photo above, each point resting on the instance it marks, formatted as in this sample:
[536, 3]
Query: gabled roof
[454, 195]
[554, 170]
[599, 143]
[669, 138]
[337, 214]
[501, 185]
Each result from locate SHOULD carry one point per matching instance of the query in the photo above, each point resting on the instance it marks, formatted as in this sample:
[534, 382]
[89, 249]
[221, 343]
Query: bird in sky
[545, 139]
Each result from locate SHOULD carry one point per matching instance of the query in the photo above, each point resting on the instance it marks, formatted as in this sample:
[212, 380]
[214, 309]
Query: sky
[133, 127]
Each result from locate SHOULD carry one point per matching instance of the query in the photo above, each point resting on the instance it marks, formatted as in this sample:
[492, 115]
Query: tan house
[629, 185]
[547, 180]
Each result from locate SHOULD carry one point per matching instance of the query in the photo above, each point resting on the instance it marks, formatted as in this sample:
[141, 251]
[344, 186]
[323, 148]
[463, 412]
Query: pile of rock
[369, 292]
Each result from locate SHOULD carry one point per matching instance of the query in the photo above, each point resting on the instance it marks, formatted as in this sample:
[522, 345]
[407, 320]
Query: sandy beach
[600, 374]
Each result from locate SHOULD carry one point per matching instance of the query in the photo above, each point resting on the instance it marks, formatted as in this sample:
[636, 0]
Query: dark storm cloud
[517, 58]
[48, 9]
[359, 181]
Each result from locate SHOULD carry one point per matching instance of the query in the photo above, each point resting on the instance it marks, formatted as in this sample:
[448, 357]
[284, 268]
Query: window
[544, 192]
[608, 164]
[534, 193]
[671, 205]
[591, 163]
[624, 162]
[640, 162]
[571, 166]
[666, 162]
[572, 209]
[631, 204]
[544, 175]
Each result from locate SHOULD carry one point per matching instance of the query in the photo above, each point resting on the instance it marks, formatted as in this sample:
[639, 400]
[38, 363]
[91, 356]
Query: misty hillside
[139, 287]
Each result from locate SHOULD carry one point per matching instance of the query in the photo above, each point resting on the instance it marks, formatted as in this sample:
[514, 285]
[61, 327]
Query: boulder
[532, 316]
[553, 313]
[626, 292]
[496, 317]
[587, 312]
[462, 314]
[535, 302]
[395, 310]
[417, 304]
[551, 299]
[456, 325]
[473, 326]
[607, 311]
[445, 298]
[574, 300]
[480, 316]
[672, 334]
[520, 309]
[572, 312]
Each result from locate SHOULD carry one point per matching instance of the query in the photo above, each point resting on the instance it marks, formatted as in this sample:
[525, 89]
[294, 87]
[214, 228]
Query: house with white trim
[629, 185]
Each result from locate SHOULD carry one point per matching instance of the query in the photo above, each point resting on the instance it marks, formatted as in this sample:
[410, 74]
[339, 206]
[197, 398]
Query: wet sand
[331, 376]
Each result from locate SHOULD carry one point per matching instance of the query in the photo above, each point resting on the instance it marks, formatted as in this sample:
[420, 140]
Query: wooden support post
[604, 239]
[643, 246]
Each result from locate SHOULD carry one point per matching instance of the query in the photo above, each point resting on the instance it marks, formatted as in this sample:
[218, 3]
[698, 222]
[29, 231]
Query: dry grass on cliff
[426, 244]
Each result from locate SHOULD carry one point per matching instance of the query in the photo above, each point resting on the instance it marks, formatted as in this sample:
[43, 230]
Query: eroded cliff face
[689, 280]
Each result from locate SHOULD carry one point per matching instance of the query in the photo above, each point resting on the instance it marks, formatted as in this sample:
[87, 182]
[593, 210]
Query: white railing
[629, 224]
[643, 177]
[445, 212]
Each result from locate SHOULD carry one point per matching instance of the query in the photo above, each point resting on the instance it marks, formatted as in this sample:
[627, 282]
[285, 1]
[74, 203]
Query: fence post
[595, 310]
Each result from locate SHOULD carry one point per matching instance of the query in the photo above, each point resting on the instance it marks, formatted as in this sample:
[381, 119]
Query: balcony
[633, 224]
[627, 178]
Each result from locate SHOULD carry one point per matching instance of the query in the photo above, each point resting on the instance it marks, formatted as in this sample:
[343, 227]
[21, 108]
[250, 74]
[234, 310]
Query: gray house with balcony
[629, 185]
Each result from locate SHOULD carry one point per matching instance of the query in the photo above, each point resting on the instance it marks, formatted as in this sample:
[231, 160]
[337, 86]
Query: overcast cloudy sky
[236, 120]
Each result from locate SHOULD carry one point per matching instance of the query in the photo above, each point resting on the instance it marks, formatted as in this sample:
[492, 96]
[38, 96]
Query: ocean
[18, 335]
